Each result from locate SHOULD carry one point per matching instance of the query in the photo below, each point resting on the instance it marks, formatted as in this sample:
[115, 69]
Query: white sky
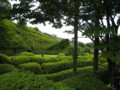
[59, 32]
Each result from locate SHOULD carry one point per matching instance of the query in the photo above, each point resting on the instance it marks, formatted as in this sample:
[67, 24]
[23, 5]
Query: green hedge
[59, 76]
[21, 80]
[51, 59]
[52, 67]
[82, 63]
[16, 60]
[4, 59]
[32, 66]
[4, 68]
[86, 81]
[37, 58]
[102, 60]
[26, 54]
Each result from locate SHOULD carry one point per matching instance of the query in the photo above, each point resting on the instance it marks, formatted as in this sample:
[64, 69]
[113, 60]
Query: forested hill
[15, 36]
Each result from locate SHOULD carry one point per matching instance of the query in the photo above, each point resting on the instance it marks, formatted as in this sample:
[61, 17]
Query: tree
[55, 11]
[5, 9]
[102, 9]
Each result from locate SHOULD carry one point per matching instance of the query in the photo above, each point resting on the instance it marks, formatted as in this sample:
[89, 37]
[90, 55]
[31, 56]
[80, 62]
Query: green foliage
[85, 81]
[26, 54]
[14, 36]
[9, 37]
[105, 65]
[32, 66]
[16, 60]
[62, 57]
[37, 58]
[59, 76]
[50, 59]
[82, 63]
[86, 56]
[61, 45]
[4, 68]
[52, 67]
[21, 80]
[69, 50]
[102, 60]
[4, 9]
[4, 59]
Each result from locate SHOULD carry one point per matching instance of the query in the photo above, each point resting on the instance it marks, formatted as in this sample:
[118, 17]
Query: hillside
[15, 36]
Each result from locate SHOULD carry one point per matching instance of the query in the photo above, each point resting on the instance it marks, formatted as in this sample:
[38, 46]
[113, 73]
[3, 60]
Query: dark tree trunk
[75, 54]
[111, 71]
[76, 22]
[96, 54]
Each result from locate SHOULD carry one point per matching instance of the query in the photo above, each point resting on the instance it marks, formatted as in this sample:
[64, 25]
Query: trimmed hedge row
[66, 73]
[4, 68]
[86, 81]
[37, 58]
[52, 67]
[21, 80]
[4, 59]
[26, 54]
[16, 60]
[32, 66]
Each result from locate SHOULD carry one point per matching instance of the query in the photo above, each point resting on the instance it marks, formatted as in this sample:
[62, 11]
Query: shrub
[4, 68]
[82, 63]
[37, 58]
[86, 56]
[21, 80]
[26, 54]
[105, 65]
[4, 59]
[16, 60]
[32, 66]
[51, 59]
[85, 81]
[102, 60]
[59, 76]
[55, 66]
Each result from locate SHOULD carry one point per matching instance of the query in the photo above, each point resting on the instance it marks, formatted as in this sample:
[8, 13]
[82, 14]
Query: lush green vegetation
[56, 68]
[17, 38]
[22, 80]
[79, 66]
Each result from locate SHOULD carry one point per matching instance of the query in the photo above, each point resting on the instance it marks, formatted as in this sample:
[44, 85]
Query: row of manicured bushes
[22, 80]
[87, 81]
[38, 64]
[30, 57]
[66, 73]
[52, 67]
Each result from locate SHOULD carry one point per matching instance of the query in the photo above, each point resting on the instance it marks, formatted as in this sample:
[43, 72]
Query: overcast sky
[59, 32]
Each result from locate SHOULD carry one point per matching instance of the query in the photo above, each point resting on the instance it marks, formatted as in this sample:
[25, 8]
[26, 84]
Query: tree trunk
[75, 54]
[96, 55]
[111, 72]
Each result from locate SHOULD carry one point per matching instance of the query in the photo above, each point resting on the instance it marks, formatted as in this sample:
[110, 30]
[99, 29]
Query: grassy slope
[15, 36]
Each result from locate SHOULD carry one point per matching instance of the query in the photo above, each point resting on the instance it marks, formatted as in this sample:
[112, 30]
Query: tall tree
[5, 9]
[57, 10]
[108, 32]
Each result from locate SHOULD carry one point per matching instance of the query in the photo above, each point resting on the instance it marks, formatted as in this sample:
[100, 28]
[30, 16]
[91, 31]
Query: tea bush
[21, 80]
[26, 54]
[16, 60]
[4, 59]
[32, 66]
[86, 81]
[82, 63]
[51, 59]
[37, 58]
[52, 67]
[59, 76]
[4, 68]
